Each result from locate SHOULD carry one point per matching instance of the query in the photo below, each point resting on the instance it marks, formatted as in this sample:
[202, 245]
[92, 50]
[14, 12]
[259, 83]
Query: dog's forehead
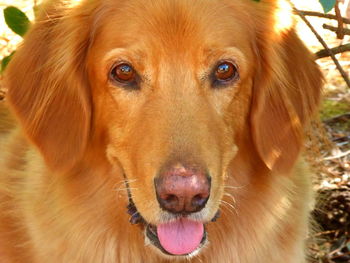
[177, 25]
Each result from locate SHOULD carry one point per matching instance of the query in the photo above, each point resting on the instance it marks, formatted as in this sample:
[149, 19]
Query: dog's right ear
[48, 88]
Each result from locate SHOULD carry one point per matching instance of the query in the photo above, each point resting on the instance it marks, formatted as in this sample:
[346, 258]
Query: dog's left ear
[48, 88]
[286, 93]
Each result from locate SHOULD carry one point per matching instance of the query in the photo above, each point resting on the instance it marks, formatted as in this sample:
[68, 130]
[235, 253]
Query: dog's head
[177, 94]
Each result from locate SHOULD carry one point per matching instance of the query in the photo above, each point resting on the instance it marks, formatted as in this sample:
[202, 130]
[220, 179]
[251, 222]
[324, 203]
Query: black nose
[182, 188]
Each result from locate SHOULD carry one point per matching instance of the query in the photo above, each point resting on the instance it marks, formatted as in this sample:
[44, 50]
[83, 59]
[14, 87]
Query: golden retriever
[137, 122]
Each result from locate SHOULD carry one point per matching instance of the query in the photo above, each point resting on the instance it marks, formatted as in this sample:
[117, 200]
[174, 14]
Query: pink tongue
[180, 237]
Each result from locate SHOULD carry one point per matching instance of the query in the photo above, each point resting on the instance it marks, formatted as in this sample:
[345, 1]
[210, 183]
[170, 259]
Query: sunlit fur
[74, 134]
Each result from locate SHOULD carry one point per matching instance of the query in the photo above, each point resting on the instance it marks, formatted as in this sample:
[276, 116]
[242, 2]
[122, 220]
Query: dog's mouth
[179, 237]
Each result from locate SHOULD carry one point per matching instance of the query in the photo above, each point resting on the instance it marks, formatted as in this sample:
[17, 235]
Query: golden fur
[62, 192]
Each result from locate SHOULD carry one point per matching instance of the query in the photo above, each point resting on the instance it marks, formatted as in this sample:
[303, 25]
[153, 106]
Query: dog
[157, 131]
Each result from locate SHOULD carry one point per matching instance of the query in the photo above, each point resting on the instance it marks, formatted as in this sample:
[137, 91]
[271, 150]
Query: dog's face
[178, 96]
[170, 89]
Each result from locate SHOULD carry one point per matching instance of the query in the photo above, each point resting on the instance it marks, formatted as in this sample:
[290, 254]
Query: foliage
[16, 20]
[331, 108]
[327, 5]
[6, 60]
[19, 23]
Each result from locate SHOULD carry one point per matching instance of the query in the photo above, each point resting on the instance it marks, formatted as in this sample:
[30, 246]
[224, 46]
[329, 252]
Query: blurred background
[328, 140]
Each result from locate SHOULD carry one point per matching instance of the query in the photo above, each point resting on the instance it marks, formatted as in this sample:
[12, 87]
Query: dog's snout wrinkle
[182, 188]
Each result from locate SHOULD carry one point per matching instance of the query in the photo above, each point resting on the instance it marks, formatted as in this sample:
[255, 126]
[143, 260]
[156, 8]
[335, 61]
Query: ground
[327, 146]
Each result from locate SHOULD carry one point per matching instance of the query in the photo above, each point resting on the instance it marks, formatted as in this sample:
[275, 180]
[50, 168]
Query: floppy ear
[286, 93]
[48, 88]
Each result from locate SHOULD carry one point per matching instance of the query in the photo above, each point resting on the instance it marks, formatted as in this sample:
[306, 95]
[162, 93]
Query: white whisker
[230, 207]
[234, 187]
[231, 196]
[125, 188]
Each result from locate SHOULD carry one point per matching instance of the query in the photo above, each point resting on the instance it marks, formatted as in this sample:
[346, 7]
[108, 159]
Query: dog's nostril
[171, 199]
[199, 200]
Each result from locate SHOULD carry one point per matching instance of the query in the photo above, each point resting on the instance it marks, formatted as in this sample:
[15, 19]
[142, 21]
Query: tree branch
[329, 16]
[340, 49]
[324, 44]
[339, 118]
[345, 31]
[340, 31]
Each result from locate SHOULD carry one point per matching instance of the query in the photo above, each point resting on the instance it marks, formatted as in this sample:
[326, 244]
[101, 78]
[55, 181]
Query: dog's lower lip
[152, 229]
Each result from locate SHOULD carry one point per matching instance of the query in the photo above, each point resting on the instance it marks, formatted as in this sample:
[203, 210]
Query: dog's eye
[123, 73]
[225, 72]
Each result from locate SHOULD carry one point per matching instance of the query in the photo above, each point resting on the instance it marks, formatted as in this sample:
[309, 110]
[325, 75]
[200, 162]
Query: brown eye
[123, 73]
[225, 71]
